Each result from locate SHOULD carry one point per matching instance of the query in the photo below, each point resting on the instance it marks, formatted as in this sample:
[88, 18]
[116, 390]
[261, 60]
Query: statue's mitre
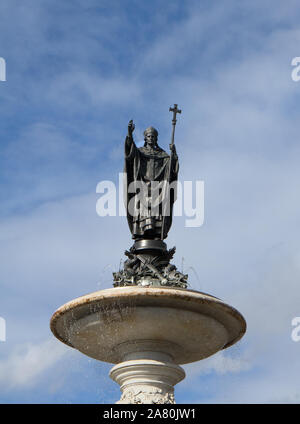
[150, 130]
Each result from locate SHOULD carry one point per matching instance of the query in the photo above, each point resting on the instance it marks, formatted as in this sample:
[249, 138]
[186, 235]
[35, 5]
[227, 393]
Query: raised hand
[131, 128]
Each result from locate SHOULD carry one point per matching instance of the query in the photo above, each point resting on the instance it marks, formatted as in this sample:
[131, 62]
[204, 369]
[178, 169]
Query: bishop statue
[154, 173]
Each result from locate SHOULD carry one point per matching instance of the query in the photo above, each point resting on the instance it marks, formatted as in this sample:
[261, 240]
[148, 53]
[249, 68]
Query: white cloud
[229, 70]
[220, 363]
[83, 90]
[27, 363]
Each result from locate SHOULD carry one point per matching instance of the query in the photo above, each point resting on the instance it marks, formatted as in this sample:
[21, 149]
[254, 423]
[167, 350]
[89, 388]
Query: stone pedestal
[147, 381]
[147, 374]
[148, 333]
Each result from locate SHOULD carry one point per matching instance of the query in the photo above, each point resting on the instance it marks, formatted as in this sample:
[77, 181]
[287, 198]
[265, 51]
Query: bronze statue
[153, 168]
[150, 192]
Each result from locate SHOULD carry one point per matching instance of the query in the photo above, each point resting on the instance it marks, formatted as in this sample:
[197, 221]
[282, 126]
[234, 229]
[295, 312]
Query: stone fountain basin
[123, 323]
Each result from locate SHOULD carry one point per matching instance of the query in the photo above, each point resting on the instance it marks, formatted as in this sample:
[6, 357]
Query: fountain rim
[137, 292]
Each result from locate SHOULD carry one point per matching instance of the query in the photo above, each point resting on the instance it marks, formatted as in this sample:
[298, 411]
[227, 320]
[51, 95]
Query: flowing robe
[149, 169]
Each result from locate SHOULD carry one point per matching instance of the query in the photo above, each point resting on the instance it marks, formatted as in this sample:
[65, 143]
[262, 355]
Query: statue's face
[151, 139]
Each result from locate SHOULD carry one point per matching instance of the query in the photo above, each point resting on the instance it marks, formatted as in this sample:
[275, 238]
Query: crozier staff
[168, 194]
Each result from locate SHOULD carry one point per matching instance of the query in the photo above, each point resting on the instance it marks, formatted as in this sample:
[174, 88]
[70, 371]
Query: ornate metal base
[148, 264]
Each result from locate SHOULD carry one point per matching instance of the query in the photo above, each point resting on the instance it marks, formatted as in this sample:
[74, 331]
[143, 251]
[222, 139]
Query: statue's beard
[151, 146]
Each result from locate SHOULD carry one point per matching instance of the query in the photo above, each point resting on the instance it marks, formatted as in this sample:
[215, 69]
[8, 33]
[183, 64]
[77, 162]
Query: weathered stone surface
[147, 380]
[196, 324]
[148, 332]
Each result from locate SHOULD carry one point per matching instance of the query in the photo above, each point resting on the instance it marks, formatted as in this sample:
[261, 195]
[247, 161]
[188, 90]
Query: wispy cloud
[27, 363]
[220, 363]
[76, 73]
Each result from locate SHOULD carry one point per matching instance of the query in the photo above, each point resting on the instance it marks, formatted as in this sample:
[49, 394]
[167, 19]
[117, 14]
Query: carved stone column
[147, 381]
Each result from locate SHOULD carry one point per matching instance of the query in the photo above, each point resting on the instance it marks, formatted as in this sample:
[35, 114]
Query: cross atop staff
[175, 110]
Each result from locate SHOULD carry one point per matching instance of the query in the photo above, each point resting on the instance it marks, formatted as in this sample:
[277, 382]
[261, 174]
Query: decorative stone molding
[147, 381]
[153, 396]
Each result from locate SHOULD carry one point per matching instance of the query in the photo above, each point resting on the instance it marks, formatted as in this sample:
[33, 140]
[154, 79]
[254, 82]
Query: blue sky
[77, 71]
